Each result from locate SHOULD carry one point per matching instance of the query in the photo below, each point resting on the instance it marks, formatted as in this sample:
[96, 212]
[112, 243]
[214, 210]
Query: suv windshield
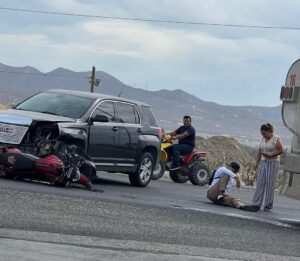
[57, 104]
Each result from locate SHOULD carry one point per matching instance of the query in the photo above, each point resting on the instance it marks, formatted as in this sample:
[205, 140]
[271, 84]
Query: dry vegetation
[4, 106]
[222, 150]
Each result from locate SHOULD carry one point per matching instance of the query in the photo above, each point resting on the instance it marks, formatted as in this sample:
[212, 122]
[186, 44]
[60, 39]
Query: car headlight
[72, 131]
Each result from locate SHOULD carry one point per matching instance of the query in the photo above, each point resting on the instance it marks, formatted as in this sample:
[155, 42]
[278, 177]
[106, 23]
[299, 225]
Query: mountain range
[209, 118]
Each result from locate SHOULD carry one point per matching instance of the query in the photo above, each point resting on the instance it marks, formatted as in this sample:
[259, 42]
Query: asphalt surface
[164, 221]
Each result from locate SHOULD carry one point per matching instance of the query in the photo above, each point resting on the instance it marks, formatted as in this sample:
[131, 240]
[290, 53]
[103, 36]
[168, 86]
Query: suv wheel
[143, 174]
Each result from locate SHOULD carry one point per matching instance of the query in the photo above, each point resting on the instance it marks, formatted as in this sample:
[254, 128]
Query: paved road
[164, 221]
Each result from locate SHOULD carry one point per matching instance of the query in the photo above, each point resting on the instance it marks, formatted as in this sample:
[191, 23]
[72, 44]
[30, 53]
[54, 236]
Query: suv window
[106, 108]
[127, 113]
[149, 116]
[57, 103]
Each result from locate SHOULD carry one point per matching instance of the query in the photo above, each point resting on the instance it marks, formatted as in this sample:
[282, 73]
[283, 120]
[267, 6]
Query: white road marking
[260, 219]
[290, 220]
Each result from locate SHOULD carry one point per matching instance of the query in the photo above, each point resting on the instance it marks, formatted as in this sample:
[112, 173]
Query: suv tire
[142, 176]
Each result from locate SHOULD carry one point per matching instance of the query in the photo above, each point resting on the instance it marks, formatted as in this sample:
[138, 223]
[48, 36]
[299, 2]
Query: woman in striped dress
[267, 163]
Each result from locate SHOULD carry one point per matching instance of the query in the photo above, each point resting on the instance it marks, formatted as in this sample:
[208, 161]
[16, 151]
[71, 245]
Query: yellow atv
[192, 166]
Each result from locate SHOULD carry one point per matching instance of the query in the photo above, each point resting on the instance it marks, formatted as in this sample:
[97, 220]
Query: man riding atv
[182, 162]
[186, 136]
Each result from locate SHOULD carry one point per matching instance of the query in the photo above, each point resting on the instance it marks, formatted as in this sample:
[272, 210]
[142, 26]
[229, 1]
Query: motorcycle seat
[17, 161]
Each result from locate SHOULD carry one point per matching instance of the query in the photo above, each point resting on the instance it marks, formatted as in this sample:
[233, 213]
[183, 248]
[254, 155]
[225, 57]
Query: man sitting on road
[186, 136]
[224, 179]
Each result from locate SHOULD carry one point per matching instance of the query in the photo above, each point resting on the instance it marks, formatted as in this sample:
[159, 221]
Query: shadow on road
[102, 181]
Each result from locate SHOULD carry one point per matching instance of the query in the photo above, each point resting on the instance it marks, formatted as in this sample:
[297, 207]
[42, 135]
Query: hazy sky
[227, 65]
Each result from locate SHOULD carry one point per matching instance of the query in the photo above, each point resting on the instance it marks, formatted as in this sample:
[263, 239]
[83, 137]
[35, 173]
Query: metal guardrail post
[291, 179]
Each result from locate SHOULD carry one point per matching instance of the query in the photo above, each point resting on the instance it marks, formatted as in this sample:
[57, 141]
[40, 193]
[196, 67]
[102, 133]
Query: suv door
[103, 137]
[129, 124]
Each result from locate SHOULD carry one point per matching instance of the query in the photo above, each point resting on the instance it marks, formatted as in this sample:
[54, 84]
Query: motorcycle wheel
[159, 172]
[199, 174]
[178, 177]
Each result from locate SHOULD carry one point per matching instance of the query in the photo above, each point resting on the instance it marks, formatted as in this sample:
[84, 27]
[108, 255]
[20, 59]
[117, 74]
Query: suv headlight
[72, 131]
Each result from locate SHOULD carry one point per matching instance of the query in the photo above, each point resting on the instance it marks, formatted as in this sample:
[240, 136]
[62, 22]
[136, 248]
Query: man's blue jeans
[180, 149]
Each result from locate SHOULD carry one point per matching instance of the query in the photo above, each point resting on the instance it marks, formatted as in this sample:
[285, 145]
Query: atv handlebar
[167, 138]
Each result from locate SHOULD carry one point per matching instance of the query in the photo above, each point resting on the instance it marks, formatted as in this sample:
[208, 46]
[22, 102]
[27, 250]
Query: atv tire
[159, 172]
[143, 175]
[177, 176]
[199, 174]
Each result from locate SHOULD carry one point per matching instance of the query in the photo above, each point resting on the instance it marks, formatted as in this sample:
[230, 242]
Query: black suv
[120, 135]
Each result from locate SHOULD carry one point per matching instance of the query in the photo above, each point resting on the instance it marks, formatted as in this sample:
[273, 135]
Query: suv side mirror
[99, 118]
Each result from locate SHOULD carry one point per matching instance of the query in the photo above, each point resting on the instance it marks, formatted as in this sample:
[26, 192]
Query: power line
[151, 20]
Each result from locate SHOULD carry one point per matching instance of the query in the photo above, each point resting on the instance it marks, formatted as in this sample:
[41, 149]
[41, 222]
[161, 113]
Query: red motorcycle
[68, 165]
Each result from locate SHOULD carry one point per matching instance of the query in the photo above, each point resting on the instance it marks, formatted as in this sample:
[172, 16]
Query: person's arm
[171, 133]
[279, 148]
[189, 132]
[258, 157]
[180, 136]
[237, 181]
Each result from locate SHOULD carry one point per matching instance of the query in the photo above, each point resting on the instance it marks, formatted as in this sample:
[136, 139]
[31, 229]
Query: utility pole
[92, 81]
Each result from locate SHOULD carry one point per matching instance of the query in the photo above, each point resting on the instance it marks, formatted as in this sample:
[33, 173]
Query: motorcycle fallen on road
[192, 165]
[65, 165]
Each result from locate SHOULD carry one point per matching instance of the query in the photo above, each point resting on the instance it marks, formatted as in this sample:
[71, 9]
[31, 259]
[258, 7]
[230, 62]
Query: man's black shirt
[189, 140]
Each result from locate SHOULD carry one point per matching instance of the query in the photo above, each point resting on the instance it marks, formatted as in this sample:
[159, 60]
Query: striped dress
[267, 173]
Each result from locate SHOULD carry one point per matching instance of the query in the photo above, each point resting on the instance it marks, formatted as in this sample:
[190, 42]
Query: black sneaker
[250, 208]
[267, 209]
[220, 201]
